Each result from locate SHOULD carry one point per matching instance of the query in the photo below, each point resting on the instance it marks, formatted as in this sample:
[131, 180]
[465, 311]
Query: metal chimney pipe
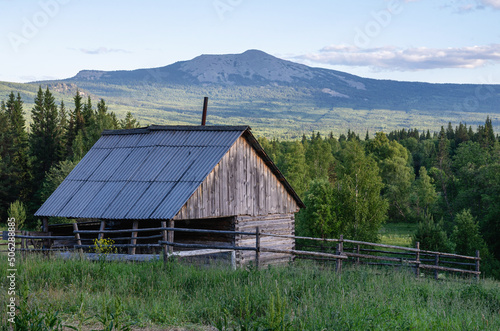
[204, 116]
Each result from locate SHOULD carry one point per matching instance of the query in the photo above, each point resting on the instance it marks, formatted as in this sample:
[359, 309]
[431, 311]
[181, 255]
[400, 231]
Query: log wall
[240, 184]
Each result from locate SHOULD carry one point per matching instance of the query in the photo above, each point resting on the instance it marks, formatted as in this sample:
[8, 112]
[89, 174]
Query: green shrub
[17, 210]
[432, 236]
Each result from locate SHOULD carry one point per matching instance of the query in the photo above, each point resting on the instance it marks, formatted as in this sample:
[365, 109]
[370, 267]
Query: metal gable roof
[146, 173]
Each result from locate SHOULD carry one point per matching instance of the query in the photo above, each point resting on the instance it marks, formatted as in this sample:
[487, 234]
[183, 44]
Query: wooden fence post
[170, 235]
[164, 238]
[101, 228]
[340, 250]
[358, 250]
[133, 239]
[477, 264]
[257, 247]
[23, 246]
[45, 226]
[417, 259]
[77, 237]
[436, 262]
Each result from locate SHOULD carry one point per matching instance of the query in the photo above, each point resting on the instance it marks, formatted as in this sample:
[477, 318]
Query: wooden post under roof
[170, 235]
[133, 240]
[164, 238]
[77, 237]
[45, 224]
[257, 247]
[103, 225]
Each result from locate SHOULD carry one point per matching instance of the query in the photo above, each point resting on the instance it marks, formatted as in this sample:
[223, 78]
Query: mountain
[279, 97]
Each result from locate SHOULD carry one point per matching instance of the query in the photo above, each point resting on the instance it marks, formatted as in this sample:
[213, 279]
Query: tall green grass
[302, 296]
[397, 234]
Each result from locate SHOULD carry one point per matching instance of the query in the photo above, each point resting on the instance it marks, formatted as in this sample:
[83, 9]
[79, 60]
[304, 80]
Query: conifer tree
[18, 150]
[129, 122]
[45, 135]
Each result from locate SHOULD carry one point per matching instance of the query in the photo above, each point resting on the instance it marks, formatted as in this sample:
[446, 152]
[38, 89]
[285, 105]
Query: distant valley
[275, 97]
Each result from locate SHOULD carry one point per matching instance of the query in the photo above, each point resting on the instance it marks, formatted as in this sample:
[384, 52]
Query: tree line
[34, 159]
[447, 182]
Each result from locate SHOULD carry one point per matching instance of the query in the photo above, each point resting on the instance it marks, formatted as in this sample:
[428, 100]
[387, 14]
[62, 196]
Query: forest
[447, 182]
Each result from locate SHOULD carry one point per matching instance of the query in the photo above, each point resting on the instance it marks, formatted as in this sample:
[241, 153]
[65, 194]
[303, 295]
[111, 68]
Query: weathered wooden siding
[276, 224]
[240, 184]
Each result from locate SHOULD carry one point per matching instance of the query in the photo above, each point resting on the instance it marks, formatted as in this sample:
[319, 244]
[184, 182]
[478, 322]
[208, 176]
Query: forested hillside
[447, 182]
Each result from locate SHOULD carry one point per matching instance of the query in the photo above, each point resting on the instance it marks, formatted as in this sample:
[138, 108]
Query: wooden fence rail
[396, 255]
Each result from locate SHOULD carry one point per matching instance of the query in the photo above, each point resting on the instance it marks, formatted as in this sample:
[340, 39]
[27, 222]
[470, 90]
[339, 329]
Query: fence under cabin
[249, 240]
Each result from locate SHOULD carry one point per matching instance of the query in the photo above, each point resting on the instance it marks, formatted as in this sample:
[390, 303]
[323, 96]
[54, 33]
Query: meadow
[300, 296]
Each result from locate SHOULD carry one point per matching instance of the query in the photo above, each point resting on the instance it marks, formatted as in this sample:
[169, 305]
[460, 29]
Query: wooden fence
[4, 241]
[337, 250]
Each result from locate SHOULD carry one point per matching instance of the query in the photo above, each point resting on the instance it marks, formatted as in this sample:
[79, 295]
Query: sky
[437, 41]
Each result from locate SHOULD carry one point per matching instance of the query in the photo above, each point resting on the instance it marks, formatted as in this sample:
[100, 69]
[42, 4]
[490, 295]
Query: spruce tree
[45, 135]
[7, 184]
[19, 151]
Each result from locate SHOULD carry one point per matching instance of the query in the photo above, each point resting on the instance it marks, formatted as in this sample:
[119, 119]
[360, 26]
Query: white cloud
[491, 3]
[102, 50]
[411, 59]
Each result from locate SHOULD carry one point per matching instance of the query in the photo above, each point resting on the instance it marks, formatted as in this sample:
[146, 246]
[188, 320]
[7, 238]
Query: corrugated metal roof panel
[178, 165]
[198, 171]
[158, 159]
[101, 201]
[151, 139]
[224, 138]
[130, 140]
[151, 198]
[125, 200]
[107, 142]
[80, 199]
[174, 138]
[88, 164]
[59, 198]
[131, 164]
[172, 203]
[197, 138]
[110, 164]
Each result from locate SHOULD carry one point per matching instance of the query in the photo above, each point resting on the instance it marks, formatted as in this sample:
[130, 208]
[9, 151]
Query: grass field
[302, 296]
[398, 234]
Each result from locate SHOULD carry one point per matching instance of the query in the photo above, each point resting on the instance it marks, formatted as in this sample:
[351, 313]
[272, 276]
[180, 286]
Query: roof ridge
[150, 128]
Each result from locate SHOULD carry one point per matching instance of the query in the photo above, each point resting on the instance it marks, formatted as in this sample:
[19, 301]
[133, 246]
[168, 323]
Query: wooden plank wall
[276, 224]
[240, 184]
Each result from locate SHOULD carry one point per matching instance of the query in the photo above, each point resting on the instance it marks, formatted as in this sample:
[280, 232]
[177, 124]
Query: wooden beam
[77, 236]
[45, 224]
[170, 235]
[101, 228]
[133, 239]
[257, 247]
[165, 237]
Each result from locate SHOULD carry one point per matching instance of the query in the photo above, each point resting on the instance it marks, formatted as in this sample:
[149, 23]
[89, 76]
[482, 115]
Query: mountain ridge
[283, 96]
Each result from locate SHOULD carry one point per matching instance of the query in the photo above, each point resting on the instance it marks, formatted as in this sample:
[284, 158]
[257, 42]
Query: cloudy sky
[452, 41]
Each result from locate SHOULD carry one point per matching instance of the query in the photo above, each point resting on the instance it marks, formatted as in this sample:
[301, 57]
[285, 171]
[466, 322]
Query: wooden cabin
[202, 177]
